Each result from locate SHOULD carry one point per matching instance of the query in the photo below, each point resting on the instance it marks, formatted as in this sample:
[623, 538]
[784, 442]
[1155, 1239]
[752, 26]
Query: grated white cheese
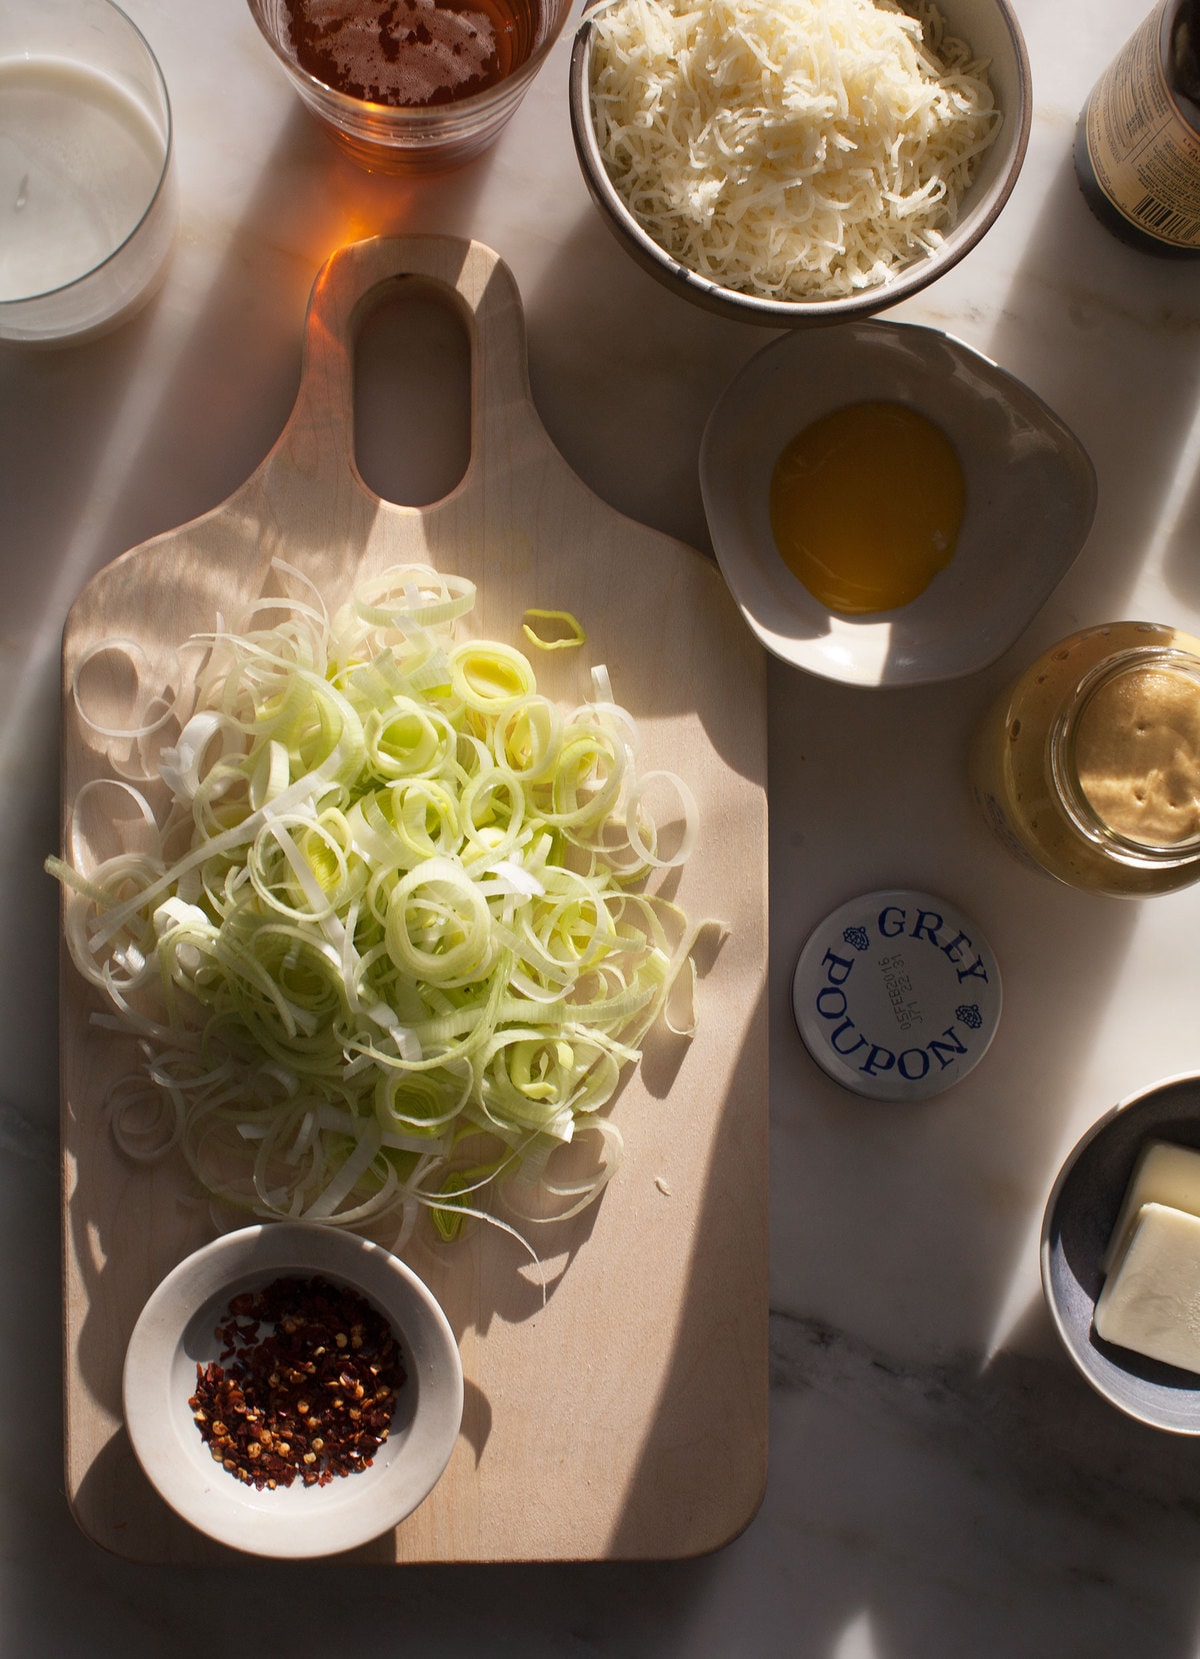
[796, 149]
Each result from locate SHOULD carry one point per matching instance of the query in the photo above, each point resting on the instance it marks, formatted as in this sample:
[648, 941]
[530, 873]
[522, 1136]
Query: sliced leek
[382, 940]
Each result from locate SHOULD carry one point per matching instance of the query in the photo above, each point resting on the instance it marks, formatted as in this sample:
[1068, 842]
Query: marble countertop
[941, 1481]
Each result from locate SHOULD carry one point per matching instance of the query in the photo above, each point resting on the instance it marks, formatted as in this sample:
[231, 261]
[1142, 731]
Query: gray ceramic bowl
[1022, 465]
[993, 32]
[1080, 1214]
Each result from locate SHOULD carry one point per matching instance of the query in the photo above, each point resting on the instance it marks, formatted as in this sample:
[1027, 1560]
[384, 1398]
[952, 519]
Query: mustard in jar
[1088, 767]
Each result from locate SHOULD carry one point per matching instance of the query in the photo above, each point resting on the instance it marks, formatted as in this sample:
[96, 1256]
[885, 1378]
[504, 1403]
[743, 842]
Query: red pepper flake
[261, 1409]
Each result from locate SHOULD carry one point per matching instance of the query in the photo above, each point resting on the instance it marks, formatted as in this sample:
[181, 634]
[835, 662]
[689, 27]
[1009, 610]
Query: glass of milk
[87, 207]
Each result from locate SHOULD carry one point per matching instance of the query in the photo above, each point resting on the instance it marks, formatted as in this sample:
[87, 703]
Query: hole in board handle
[412, 394]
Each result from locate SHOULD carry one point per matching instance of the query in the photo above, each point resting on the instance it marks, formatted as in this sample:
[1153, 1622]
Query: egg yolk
[866, 505]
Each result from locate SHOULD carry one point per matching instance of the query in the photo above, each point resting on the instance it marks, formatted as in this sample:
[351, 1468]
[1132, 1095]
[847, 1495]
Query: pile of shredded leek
[383, 940]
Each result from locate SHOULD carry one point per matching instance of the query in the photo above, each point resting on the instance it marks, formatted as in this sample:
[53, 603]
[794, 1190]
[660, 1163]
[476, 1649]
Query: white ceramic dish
[1031, 497]
[1080, 1214]
[992, 30]
[175, 1332]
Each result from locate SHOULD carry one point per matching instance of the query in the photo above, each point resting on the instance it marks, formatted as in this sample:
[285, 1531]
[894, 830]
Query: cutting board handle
[318, 440]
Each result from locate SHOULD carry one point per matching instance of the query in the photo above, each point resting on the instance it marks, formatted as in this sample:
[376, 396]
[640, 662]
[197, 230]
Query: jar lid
[896, 995]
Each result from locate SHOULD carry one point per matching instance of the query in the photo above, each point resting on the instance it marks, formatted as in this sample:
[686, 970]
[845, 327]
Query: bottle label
[1145, 156]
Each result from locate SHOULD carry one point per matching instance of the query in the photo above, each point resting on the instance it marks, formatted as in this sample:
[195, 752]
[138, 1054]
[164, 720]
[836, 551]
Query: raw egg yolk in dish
[866, 506]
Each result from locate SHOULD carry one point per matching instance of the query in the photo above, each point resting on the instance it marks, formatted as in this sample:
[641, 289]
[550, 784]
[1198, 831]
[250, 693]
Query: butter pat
[1151, 1298]
[1163, 1174]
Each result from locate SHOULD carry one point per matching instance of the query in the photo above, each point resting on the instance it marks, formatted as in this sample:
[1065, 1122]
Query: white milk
[79, 163]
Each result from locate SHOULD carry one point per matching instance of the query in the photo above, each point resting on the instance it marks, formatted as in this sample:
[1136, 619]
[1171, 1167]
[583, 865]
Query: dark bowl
[1080, 1214]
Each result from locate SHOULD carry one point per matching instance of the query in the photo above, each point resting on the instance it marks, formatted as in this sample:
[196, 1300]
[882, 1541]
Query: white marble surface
[942, 1485]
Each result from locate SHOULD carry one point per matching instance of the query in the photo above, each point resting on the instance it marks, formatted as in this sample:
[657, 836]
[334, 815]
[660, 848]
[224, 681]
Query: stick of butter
[1163, 1174]
[1151, 1298]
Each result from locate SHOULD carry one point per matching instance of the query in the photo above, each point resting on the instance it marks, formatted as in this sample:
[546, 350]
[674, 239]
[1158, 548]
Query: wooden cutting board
[625, 1416]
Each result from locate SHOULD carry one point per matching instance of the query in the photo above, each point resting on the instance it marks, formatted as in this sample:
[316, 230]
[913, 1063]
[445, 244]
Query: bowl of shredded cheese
[798, 161]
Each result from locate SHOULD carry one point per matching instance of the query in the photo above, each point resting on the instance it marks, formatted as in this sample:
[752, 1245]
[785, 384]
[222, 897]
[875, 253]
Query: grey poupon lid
[896, 995]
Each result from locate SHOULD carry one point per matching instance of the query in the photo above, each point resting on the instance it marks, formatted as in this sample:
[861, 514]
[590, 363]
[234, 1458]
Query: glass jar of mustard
[1088, 767]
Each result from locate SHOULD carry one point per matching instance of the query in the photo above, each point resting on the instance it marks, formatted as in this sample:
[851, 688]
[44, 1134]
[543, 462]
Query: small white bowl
[991, 29]
[175, 1332]
[1030, 500]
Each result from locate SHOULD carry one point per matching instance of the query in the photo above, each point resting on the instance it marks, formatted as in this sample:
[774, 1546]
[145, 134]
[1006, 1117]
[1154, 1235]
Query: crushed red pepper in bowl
[235, 1326]
[305, 1386]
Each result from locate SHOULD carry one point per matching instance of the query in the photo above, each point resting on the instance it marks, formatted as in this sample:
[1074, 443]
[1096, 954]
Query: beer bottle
[1137, 145]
